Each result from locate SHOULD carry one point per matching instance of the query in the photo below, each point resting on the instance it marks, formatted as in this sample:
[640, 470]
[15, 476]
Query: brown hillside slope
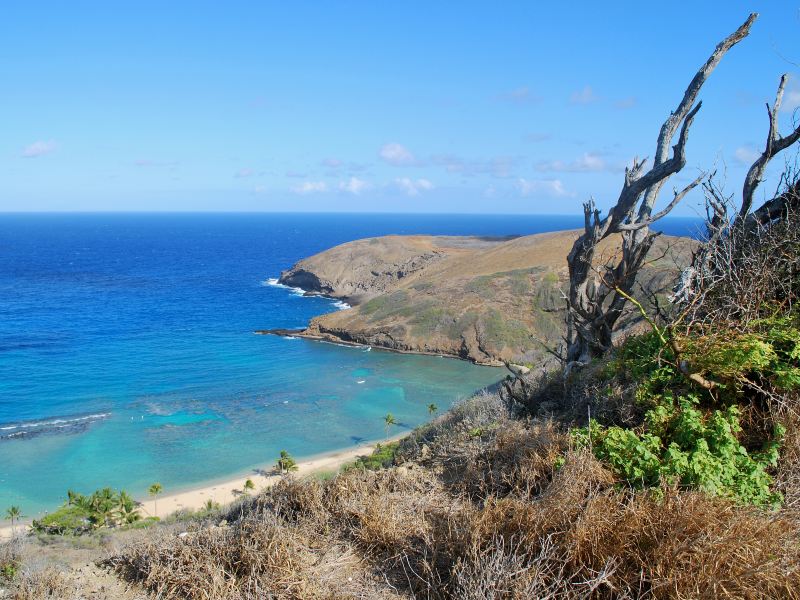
[487, 300]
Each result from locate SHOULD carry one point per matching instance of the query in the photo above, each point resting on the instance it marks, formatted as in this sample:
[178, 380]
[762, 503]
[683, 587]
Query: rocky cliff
[489, 300]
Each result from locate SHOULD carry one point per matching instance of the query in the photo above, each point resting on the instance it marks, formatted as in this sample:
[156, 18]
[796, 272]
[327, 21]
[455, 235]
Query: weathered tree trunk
[597, 294]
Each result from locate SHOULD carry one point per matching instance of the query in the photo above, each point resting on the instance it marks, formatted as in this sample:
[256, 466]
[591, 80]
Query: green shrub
[691, 435]
[682, 445]
[145, 523]
[67, 520]
[381, 458]
[769, 350]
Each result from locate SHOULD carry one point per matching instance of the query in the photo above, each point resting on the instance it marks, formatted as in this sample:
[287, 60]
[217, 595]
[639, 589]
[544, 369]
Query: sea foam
[273, 282]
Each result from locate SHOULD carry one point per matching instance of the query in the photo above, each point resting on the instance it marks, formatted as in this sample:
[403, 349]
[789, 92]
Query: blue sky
[371, 106]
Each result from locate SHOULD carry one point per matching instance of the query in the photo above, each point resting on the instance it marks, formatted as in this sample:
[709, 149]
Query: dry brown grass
[48, 583]
[518, 527]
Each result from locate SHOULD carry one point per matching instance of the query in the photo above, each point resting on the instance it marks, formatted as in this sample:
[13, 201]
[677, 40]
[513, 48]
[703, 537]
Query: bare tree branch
[670, 126]
[775, 144]
[663, 213]
[595, 302]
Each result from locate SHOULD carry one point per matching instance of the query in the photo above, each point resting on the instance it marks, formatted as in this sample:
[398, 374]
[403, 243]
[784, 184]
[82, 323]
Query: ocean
[127, 354]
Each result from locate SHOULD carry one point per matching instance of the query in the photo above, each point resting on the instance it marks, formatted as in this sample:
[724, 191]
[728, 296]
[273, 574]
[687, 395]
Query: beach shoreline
[228, 489]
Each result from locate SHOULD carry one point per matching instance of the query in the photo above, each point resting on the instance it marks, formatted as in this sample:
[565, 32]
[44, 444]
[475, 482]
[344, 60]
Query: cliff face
[483, 299]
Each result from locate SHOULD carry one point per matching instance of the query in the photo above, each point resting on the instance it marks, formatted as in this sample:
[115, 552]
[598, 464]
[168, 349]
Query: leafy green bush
[682, 445]
[67, 520]
[691, 435]
[381, 458]
[769, 350]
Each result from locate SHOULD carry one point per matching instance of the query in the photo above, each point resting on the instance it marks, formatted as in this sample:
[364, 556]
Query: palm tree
[432, 408]
[15, 514]
[389, 420]
[154, 490]
[79, 500]
[103, 504]
[128, 512]
[286, 463]
[249, 486]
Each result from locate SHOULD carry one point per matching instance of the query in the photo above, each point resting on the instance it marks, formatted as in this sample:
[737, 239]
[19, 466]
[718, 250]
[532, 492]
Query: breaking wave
[58, 425]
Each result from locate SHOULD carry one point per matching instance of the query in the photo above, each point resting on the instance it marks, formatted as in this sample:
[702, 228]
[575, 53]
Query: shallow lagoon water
[127, 354]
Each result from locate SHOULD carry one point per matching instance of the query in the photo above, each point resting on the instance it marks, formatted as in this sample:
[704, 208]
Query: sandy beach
[228, 490]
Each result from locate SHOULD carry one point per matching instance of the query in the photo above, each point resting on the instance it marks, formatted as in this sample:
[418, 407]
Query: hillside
[487, 300]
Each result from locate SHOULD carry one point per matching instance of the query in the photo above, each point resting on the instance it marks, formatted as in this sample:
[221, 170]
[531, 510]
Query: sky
[469, 107]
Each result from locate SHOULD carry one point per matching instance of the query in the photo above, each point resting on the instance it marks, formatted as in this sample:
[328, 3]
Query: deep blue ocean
[127, 354]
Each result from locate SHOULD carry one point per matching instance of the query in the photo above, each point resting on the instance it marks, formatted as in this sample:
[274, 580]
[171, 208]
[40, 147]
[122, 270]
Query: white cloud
[39, 148]
[413, 187]
[625, 103]
[259, 189]
[354, 185]
[497, 167]
[522, 95]
[746, 155]
[397, 154]
[310, 187]
[337, 167]
[584, 96]
[589, 162]
[552, 188]
[244, 173]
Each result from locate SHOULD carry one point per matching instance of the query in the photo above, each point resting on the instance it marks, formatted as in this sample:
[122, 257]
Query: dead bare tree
[597, 296]
[740, 258]
[776, 143]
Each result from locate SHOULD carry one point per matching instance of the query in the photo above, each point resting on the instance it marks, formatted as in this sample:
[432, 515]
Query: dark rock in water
[309, 282]
[280, 332]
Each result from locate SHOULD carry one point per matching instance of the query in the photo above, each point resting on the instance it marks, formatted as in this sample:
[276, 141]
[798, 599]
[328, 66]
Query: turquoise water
[127, 354]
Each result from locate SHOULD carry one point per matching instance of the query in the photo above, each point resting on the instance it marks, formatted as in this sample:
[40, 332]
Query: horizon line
[286, 212]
